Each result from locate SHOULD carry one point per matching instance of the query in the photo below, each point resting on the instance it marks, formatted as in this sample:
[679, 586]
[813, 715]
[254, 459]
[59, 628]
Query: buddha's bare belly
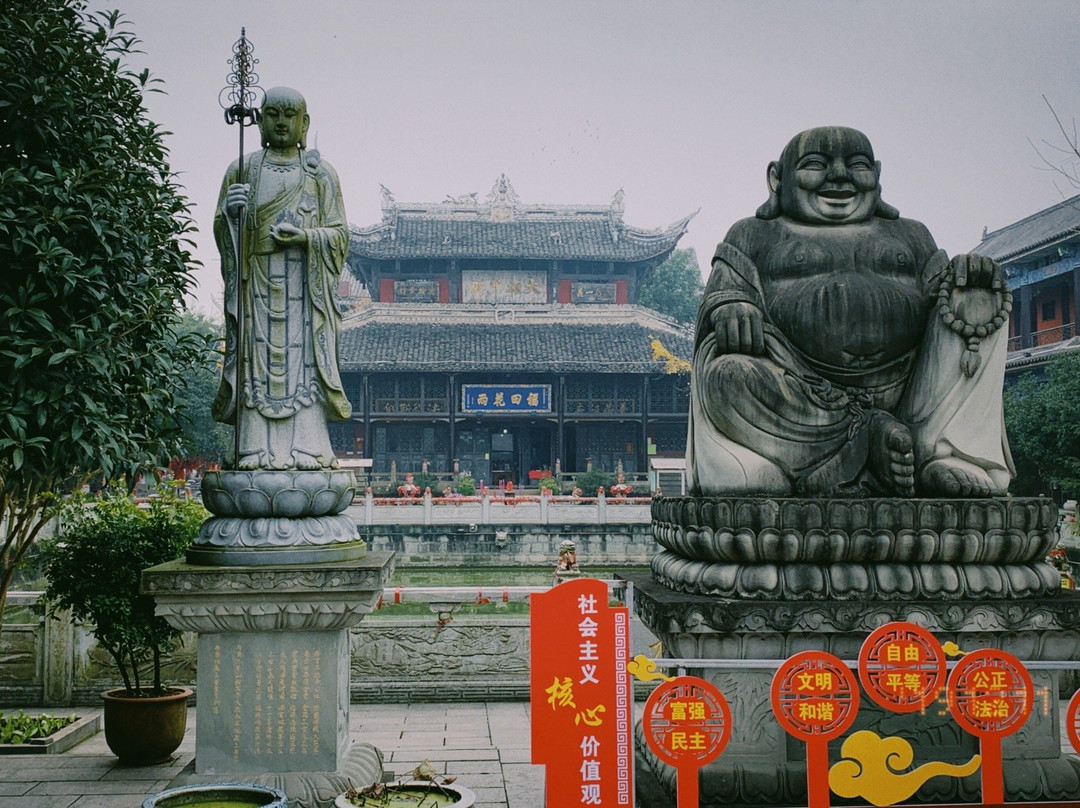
[850, 320]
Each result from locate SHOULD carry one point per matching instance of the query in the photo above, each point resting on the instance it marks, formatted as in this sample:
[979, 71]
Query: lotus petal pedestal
[269, 517]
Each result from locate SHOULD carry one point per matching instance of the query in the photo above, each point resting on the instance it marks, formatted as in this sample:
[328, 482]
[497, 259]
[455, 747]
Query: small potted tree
[93, 567]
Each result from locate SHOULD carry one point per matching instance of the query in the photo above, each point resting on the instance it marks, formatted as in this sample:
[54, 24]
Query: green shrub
[425, 480]
[466, 486]
[94, 564]
[589, 481]
[549, 484]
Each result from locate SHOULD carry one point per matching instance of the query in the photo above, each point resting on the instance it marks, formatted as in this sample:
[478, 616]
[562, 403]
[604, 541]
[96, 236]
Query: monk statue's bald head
[826, 176]
[284, 119]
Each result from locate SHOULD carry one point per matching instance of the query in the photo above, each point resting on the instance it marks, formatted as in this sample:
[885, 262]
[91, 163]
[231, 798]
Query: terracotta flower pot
[145, 729]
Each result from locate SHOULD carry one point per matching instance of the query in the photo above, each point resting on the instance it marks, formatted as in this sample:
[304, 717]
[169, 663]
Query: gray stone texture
[273, 670]
[477, 545]
[843, 364]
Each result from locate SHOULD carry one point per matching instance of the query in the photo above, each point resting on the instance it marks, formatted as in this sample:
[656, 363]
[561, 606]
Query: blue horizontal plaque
[506, 398]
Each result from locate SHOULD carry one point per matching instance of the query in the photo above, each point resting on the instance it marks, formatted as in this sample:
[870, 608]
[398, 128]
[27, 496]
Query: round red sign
[687, 722]
[1072, 721]
[814, 695]
[990, 693]
[902, 667]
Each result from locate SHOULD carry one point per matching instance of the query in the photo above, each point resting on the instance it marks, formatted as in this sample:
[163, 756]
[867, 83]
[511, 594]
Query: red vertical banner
[580, 695]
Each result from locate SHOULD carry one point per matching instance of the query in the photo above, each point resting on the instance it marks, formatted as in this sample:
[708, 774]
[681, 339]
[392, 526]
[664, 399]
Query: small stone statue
[839, 352]
[566, 567]
[281, 382]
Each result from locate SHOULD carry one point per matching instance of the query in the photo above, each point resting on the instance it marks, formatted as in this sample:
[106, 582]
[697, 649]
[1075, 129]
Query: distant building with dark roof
[1041, 258]
[503, 340]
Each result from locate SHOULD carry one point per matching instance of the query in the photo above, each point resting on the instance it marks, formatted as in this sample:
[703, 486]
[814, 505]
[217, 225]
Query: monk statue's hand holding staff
[236, 198]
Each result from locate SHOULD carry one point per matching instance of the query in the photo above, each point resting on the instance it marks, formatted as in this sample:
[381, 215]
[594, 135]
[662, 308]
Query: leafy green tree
[675, 287]
[1044, 432]
[203, 436]
[94, 237]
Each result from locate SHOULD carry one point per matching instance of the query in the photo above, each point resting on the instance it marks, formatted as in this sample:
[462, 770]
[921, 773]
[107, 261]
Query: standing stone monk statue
[280, 383]
[839, 351]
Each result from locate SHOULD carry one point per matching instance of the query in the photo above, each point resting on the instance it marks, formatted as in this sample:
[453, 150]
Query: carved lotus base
[233, 541]
[817, 549]
[754, 530]
[267, 493]
[854, 581]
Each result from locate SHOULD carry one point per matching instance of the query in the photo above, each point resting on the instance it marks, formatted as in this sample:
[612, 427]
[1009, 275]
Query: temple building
[503, 340]
[1041, 258]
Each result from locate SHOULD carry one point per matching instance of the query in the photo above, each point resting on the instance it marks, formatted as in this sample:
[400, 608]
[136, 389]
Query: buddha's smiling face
[828, 176]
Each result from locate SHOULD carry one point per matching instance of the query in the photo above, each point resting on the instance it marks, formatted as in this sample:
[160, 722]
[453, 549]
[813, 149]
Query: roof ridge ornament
[388, 201]
[503, 200]
[390, 210]
[615, 214]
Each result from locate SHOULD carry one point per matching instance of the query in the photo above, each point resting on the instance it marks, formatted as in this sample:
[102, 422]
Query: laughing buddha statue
[839, 352]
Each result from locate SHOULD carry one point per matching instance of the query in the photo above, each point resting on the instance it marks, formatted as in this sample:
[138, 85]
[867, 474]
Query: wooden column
[1025, 316]
[560, 405]
[1075, 301]
[452, 390]
[365, 391]
[643, 452]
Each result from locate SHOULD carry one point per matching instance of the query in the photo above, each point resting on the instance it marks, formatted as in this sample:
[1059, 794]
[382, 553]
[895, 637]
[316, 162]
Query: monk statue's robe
[281, 383]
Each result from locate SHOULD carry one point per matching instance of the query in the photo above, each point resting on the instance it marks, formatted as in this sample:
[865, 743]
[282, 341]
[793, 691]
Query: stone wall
[51, 662]
[506, 545]
[393, 659]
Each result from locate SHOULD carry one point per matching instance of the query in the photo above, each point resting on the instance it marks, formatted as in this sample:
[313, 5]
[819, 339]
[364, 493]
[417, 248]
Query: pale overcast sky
[681, 103]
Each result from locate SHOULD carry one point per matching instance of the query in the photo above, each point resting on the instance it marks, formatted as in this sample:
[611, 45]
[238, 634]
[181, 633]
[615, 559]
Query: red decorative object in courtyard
[687, 723]
[990, 696]
[902, 667]
[815, 698]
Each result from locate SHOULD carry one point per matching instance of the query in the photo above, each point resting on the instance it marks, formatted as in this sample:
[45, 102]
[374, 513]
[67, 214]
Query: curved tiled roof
[503, 227]
[1045, 227]
[541, 339]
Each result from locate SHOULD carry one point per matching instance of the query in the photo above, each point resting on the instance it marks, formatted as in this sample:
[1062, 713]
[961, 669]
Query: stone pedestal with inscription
[745, 579]
[273, 671]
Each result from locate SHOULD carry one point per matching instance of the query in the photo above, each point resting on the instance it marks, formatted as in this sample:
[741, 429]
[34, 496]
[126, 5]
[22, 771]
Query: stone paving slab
[486, 746]
[44, 802]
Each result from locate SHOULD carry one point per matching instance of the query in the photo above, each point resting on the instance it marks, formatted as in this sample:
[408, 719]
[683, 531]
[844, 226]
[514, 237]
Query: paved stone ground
[485, 745]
